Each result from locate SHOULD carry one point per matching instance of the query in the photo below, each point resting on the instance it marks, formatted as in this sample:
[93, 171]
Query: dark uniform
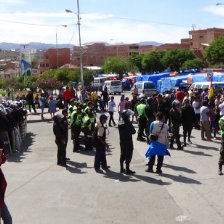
[175, 119]
[188, 120]
[126, 130]
[60, 139]
[221, 158]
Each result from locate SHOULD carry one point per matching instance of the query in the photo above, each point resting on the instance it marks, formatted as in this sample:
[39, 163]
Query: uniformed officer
[141, 119]
[175, 119]
[221, 158]
[126, 130]
[76, 121]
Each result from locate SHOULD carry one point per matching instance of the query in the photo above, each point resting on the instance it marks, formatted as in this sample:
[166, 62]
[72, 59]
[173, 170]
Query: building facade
[54, 58]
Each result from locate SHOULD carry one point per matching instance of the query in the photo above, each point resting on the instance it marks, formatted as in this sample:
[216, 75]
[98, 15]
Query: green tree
[117, 65]
[135, 62]
[174, 59]
[87, 76]
[152, 61]
[196, 63]
[2, 83]
[62, 75]
[215, 52]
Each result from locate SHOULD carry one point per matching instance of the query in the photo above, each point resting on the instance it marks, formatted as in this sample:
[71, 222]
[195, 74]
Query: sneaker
[189, 141]
[130, 172]
[141, 139]
[67, 159]
[122, 170]
[180, 148]
[220, 172]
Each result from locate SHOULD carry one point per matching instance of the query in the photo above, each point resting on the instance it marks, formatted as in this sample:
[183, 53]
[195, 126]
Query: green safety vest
[78, 120]
[141, 109]
[221, 123]
[72, 117]
[84, 121]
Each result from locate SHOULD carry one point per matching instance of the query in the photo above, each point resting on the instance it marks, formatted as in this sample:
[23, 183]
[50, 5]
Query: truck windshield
[149, 86]
[115, 83]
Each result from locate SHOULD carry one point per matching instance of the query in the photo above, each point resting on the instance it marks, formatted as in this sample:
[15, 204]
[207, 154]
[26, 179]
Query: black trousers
[187, 129]
[76, 130]
[126, 154]
[100, 157]
[61, 154]
[142, 124]
[111, 118]
[33, 106]
[159, 162]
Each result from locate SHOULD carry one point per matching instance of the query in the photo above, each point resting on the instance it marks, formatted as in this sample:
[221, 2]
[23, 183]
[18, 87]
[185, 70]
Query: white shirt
[111, 106]
[196, 104]
[221, 107]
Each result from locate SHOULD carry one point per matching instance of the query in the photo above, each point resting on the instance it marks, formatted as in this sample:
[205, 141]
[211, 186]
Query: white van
[146, 87]
[114, 86]
[218, 86]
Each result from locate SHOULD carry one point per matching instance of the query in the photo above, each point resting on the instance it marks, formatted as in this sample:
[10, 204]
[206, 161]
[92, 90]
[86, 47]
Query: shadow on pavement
[19, 156]
[197, 153]
[133, 178]
[206, 147]
[75, 167]
[180, 179]
[179, 168]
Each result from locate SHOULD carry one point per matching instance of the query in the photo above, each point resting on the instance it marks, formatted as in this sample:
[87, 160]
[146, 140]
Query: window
[47, 57]
[149, 85]
[47, 65]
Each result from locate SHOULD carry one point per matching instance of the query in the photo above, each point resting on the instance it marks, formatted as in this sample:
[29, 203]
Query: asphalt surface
[39, 191]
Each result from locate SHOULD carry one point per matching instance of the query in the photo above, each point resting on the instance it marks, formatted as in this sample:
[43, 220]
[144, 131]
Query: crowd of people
[159, 119]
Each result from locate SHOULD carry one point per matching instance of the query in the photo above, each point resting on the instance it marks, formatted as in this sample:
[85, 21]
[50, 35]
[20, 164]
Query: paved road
[39, 191]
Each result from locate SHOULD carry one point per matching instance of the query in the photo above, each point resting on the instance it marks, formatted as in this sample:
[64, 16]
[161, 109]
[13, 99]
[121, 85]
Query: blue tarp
[203, 78]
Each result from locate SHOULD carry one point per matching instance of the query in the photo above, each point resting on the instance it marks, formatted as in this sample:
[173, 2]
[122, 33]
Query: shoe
[185, 144]
[67, 159]
[203, 139]
[159, 171]
[115, 124]
[149, 170]
[189, 141]
[122, 170]
[171, 147]
[141, 139]
[106, 167]
[99, 171]
[130, 172]
[220, 172]
[180, 148]
[110, 125]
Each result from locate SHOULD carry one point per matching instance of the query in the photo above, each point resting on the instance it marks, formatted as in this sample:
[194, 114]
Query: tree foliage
[215, 52]
[196, 63]
[135, 62]
[117, 65]
[174, 59]
[152, 61]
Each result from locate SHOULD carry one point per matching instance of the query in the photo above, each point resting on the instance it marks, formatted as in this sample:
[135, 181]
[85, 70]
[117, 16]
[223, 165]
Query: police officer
[76, 121]
[175, 119]
[141, 119]
[65, 125]
[126, 130]
[221, 158]
[60, 139]
[100, 144]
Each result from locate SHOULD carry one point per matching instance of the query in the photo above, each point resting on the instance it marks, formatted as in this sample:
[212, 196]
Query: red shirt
[180, 96]
[67, 94]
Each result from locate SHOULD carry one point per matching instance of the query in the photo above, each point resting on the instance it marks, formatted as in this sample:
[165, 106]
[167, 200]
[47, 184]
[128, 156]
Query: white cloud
[216, 10]
[12, 2]
[94, 27]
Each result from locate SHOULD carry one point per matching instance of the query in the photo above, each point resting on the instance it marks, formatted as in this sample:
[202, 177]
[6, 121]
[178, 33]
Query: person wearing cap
[99, 139]
[141, 119]
[188, 120]
[175, 119]
[126, 130]
[60, 139]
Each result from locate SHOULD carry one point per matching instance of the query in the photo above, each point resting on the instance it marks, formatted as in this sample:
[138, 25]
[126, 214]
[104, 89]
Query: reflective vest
[84, 121]
[72, 117]
[221, 125]
[141, 109]
[78, 120]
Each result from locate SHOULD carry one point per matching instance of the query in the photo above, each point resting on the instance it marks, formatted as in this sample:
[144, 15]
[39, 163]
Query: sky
[111, 21]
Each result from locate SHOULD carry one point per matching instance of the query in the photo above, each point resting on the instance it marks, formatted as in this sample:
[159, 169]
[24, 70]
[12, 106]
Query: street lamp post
[80, 43]
[57, 43]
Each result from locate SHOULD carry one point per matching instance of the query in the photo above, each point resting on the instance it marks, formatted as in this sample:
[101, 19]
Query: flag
[211, 91]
